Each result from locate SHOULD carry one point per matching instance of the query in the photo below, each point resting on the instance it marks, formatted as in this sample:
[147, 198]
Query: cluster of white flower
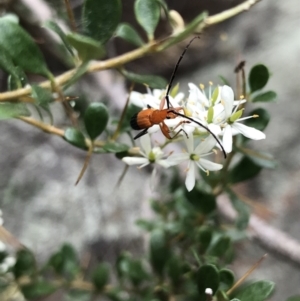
[218, 111]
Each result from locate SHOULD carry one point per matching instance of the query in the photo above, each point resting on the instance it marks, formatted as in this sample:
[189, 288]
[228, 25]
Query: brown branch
[132, 55]
[272, 239]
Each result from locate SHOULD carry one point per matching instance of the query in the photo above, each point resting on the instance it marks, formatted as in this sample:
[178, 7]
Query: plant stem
[154, 46]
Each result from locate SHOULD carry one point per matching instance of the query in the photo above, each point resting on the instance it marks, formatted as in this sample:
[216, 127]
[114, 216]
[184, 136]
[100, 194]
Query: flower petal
[227, 139]
[208, 165]
[164, 163]
[248, 131]
[134, 160]
[146, 143]
[189, 142]
[190, 176]
[228, 98]
[205, 146]
[176, 159]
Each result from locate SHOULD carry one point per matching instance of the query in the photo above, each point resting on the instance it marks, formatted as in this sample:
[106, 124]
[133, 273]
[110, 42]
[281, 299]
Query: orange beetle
[145, 119]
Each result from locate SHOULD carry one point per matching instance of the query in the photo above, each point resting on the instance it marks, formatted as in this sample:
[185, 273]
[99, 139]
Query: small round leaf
[159, 251]
[261, 122]
[11, 110]
[100, 276]
[147, 13]
[265, 97]
[37, 290]
[226, 278]
[207, 276]
[25, 264]
[244, 170]
[95, 119]
[258, 77]
[87, 48]
[129, 34]
[258, 291]
[75, 137]
[22, 49]
[100, 18]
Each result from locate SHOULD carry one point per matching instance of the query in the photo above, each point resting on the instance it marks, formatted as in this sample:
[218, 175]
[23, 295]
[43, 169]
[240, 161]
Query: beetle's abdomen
[141, 120]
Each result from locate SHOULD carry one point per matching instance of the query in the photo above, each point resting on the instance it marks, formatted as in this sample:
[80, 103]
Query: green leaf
[65, 262]
[145, 225]
[18, 80]
[258, 291]
[244, 170]
[202, 201]
[25, 264]
[115, 147]
[22, 49]
[207, 276]
[153, 81]
[189, 29]
[129, 34]
[137, 273]
[221, 295]
[242, 210]
[56, 28]
[95, 119]
[43, 98]
[265, 97]
[87, 48]
[37, 289]
[219, 247]
[258, 77]
[147, 13]
[159, 250]
[226, 278]
[204, 237]
[100, 276]
[6, 64]
[75, 137]
[261, 122]
[100, 18]
[78, 295]
[11, 110]
[174, 270]
[262, 159]
[224, 80]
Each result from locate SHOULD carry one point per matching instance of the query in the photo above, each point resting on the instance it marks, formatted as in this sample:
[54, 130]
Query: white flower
[232, 126]
[195, 158]
[154, 99]
[150, 155]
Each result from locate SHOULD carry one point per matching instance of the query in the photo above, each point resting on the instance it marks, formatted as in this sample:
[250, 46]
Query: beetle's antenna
[206, 128]
[175, 69]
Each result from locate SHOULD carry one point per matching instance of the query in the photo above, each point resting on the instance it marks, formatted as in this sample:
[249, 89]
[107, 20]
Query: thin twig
[132, 55]
[229, 13]
[70, 15]
[86, 163]
[246, 275]
[9, 239]
[274, 240]
[43, 126]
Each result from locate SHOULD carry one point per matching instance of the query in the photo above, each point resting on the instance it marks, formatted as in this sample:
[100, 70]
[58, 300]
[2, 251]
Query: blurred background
[42, 207]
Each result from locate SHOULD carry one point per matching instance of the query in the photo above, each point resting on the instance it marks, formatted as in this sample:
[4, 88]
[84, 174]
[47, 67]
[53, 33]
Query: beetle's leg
[165, 130]
[140, 134]
[181, 130]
